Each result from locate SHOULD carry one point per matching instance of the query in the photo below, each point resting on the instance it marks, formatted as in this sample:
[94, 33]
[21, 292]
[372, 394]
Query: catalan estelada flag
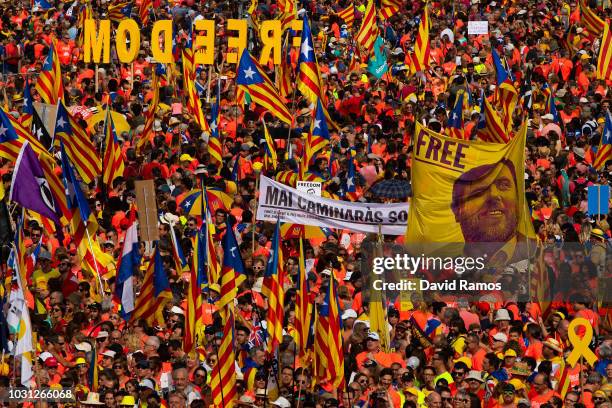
[590, 20]
[28, 107]
[285, 83]
[49, 85]
[120, 11]
[329, 354]
[272, 289]
[308, 81]
[604, 153]
[143, 12]
[270, 158]
[252, 79]
[149, 115]
[319, 136]
[604, 66]
[232, 269]
[368, 32]
[491, 126]
[194, 104]
[303, 307]
[80, 148]
[154, 293]
[223, 374]
[113, 160]
[215, 150]
[506, 93]
[422, 49]
[455, 122]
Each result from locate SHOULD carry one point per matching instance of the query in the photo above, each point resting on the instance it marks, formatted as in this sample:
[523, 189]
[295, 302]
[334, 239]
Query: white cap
[177, 310]
[45, 355]
[500, 337]
[374, 336]
[109, 353]
[326, 272]
[102, 335]
[282, 402]
[349, 314]
[548, 116]
[84, 346]
[413, 362]
[502, 314]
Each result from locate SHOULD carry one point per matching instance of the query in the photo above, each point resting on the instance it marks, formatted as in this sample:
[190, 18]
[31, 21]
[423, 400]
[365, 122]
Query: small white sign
[478, 27]
[310, 187]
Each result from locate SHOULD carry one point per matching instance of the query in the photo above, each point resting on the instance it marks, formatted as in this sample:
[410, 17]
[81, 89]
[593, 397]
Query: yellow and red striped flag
[49, 85]
[194, 312]
[113, 160]
[270, 158]
[194, 104]
[252, 79]
[422, 49]
[368, 32]
[491, 126]
[154, 293]
[308, 80]
[590, 20]
[285, 83]
[223, 375]
[119, 11]
[389, 8]
[329, 354]
[604, 67]
[604, 153]
[149, 115]
[272, 289]
[143, 12]
[232, 270]
[80, 148]
[303, 307]
[348, 15]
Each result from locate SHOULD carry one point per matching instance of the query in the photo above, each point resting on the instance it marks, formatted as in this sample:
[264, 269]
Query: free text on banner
[280, 202]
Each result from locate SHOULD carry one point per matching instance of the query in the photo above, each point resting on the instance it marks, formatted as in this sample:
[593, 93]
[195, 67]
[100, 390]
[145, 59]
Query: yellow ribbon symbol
[581, 346]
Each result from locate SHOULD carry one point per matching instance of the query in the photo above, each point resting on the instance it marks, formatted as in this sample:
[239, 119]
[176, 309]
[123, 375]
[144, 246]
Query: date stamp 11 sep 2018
[22, 394]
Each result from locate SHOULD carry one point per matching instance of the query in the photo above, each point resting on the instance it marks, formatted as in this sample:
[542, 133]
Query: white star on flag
[305, 49]
[317, 123]
[349, 182]
[61, 122]
[249, 73]
[188, 204]
[454, 115]
[3, 130]
[213, 125]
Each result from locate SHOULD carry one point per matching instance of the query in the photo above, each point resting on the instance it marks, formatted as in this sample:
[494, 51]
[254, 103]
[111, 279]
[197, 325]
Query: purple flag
[29, 186]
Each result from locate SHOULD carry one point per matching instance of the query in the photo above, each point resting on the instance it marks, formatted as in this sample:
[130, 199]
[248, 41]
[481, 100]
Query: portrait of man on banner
[470, 193]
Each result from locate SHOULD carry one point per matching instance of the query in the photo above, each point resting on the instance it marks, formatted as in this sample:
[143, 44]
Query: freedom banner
[468, 191]
[280, 202]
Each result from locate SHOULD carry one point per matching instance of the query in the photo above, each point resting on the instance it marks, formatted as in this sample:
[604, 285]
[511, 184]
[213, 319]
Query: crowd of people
[488, 353]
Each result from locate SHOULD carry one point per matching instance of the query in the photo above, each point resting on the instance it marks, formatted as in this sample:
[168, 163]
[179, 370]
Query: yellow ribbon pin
[581, 346]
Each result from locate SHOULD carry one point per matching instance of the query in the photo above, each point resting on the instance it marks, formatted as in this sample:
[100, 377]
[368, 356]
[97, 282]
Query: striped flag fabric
[212, 262]
[348, 15]
[329, 355]
[143, 12]
[128, 263]
[389, 8]
[318, 136]
[455, 122]
[491, 127]
[194, 104]
[270, 158]
[506, 93]
[223, 375]
[215, 150]
[113, 160]
[285, 82]
[79, 146]
[272, 289]
[10, 142]
[252, 79]
[590, 20]
[28, 107]
[49, 84]
[92, 371]
[368, 32]
[120, 11]
[303, 307]
[150, 113]
[232, 270]
[308, 80]
[604, 66]
[604, 153]
[154, 293]
[422, 49]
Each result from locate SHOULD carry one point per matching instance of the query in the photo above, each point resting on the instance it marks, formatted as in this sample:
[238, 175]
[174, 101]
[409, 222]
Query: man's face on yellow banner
[485, 203]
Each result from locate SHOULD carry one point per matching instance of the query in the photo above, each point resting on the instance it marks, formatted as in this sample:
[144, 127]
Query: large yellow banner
[468, 191]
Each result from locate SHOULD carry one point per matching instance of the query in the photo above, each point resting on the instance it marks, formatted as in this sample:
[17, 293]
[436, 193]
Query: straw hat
[93, 398]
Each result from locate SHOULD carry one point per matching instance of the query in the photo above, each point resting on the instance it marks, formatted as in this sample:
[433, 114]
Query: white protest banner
[280, 202]
[478, 27]
[310, 187]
